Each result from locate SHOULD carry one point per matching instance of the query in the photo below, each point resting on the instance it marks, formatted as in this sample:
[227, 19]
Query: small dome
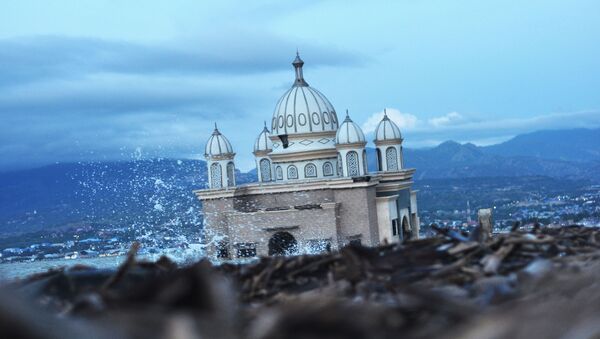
[303, 109]
[217, 145]
[263, 143]
[349, 133]
[387, 130]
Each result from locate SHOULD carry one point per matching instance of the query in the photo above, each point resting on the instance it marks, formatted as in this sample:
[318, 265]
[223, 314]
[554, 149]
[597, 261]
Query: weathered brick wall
[215, 221]
[357, 212]
[258, 227]
[251, 203]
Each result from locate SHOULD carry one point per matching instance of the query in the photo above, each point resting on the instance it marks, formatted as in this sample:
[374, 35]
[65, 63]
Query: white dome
[217, 145]
[387, 130]
[263, 143]
[349, 133]
[303, 109]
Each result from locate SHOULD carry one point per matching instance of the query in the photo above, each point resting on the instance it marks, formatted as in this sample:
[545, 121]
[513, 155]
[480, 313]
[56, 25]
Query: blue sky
[94, 80]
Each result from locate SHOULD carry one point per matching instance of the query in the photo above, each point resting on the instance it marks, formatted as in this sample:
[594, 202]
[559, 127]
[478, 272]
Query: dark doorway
[282, 243]
[406, 232]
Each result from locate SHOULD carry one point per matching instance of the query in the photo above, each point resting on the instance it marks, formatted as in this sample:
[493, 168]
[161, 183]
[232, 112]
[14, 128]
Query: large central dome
[303, 109]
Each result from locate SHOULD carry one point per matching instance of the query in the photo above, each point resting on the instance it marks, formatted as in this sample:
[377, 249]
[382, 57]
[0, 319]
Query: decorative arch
[325, 117]
[265, 170]
[279, 173]
[230, 174]
[215, 175]
[310, 170]
[352, 164]
[282, 243]
[391, 158]
[406, 230]
[401, 157]
[292, 172]
[327, 169]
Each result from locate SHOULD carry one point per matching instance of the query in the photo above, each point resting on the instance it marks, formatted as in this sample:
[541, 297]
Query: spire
[265, 128]
[216, 131]
[347, 117]
[385, 116]
[298, 63]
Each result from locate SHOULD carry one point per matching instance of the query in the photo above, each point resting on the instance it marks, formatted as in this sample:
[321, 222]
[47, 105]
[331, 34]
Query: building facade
[314, 192]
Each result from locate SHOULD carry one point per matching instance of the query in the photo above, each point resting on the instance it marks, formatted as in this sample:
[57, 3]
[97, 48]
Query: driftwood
[434, 287]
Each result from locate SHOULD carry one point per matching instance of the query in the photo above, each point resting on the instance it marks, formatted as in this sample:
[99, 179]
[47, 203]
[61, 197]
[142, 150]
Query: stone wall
[304, 224]
[251, 203]
[358, 214]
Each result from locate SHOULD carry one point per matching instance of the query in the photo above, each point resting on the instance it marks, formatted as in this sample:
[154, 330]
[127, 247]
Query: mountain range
[158, 191]
[573, 154]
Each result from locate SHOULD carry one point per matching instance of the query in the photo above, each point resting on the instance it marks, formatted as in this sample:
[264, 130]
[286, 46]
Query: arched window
[352, 163]
[327, 169]
[279, 173]
[310, 170]
[365, 167]
[230, 174]
[401, 157]
[340, 169]
[406, 229]
[379, 160]
[265, 170]
[292, 172]
[215, 175]
[391, 157]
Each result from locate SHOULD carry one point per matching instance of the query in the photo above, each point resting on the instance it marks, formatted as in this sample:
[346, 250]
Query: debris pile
[448, 285]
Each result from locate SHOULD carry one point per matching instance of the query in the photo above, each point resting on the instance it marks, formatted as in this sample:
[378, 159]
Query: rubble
[448, 285]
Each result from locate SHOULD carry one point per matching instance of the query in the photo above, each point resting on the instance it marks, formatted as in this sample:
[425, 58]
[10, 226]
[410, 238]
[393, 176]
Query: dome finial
[385, 116]
[298, 63]
[347, 117]
[216, 131]
[265, 128]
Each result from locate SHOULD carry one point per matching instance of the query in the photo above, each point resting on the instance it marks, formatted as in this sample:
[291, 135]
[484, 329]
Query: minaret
[262, 147]
[350, 143]
[388, 143]
[219, 160]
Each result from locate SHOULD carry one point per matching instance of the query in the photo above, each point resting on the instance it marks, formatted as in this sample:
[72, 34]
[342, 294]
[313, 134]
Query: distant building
[315, 192]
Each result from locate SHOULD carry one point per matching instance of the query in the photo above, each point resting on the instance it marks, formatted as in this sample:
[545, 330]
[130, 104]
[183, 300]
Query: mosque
[314, 191]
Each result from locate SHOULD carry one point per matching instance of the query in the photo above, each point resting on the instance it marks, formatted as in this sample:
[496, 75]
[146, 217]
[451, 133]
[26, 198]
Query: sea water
[16, 270]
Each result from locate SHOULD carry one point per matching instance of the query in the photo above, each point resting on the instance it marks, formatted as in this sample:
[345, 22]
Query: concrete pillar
[484, 217]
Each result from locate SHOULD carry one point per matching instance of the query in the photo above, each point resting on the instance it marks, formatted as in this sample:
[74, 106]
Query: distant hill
[453, 160]
[572, 154]
[582, 145]
[154, 192]
[103, 194]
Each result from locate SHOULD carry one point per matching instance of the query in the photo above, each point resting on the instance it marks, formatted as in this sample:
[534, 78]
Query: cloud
[577, 119]
[405, 121]
[35, 58]
[464, 128]
[76, 98]
[490, 131]
[445, 120]
[111, 94]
